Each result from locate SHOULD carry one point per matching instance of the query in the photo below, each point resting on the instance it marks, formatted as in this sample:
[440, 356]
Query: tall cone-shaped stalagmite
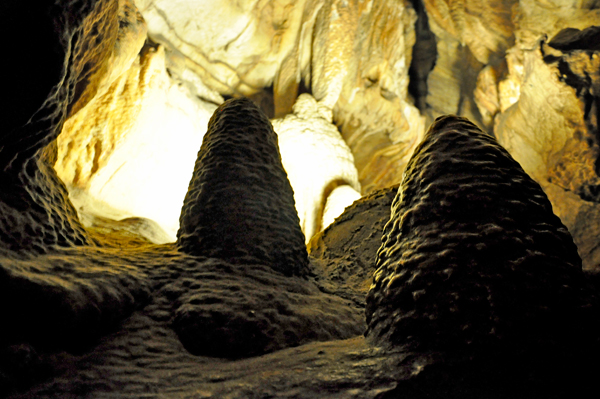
[473, 259]
[240, 205]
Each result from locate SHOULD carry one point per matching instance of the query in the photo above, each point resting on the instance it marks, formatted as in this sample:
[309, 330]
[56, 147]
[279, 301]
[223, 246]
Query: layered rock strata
[473, 261]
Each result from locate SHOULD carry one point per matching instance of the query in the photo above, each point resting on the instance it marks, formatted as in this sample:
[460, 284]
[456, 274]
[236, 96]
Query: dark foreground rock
[474, 264]
[240, 205]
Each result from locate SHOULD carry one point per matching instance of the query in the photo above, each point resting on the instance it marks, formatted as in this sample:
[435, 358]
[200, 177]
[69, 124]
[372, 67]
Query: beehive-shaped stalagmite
[240, 205]
[473, 257]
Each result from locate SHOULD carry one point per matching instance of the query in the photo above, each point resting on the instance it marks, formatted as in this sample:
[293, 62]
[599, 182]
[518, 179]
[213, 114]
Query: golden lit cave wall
[83, 155]
[494, 67]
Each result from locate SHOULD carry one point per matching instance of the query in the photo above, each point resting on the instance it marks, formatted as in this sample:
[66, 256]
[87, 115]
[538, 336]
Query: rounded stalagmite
[240, 205]
[473, 260]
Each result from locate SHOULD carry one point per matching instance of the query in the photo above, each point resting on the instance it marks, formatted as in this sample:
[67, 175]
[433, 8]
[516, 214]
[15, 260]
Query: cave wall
[383, 70]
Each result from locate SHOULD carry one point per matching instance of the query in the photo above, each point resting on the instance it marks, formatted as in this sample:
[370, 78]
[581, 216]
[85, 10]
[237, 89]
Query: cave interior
[300, 199]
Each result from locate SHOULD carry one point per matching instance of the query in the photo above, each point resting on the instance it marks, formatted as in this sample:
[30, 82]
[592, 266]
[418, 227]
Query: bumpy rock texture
[64, 290]
[240, 205]
[473, 260]
[52, 294]
[345, 252]
[495, 64]
[36, 213]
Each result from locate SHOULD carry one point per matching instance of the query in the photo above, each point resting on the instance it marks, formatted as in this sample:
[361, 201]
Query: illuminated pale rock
[471, 40]
[453, 79]
[509, 89]
[36, 213]
[101, 66]
[486, 94]
[316, 159]
[337, 201]
[134, 147]
[550, 126]
[522, 93]
[366, 85]
[245, 57]
[485, 27]
[473, 262]
[311, 42]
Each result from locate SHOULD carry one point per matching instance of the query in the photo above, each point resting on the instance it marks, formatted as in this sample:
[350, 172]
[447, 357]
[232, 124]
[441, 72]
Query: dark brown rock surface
[473, 260]
[240, 205]
[346, 251]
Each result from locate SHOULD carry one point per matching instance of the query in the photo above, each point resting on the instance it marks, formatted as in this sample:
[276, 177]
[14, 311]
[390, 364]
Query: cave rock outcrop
[473, 260]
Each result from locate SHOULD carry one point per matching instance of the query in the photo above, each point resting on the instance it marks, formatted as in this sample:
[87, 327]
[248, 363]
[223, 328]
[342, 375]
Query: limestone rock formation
[494, 65]
[252, 310]
[345, 252]
[316, 160]
[551, 127]
[65, 291]
[485, 27]
[90, 308]
[242, 59]
[470, 35]
[240, 205]
[473, 261]
[133, 148]
[52, 295]
[361, 55]
[337, 202]
[311, 44]
[36, 213]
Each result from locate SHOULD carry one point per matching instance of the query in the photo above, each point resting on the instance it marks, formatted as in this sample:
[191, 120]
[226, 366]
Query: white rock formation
[235, 47]
[340, 198]
[316, 159]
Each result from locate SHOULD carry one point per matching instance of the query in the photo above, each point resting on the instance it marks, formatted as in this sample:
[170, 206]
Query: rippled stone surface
[240, 205]
[473, 260]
